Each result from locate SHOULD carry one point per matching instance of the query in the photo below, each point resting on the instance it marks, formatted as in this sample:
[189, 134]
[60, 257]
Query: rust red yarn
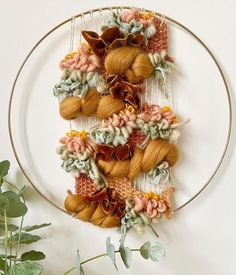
[136, 138]
[84, 186]
[159, 41]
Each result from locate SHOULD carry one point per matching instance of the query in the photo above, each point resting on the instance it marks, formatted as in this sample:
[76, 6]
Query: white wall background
[201, 238]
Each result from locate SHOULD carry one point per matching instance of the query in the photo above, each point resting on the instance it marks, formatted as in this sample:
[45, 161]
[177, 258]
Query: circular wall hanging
[123, 101]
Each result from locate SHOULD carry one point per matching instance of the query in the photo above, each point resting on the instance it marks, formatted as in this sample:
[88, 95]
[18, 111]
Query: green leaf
[25, 238]
[34, 227]
[17, 209]
[156, 252]
[10, 227]
[2, 264]
[4, 167]
[33, 255]
[123, 236]
[11, 196]
[144, 250]
[78, 260]
[4, 203]
[79, 267]
[25, 268]
[111, 251]
[126, 255]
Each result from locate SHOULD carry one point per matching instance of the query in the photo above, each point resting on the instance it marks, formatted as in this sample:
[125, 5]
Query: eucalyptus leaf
[126, 255]
[156, 252]
[123, 236]
[111, 251]
[34, 227]
[33, 255]
[25, 268]
[10, 227]
[78, 261]
[2, 264]
[16, 209]
[4, 167]
[11, 196]
[25, 238]
[79, 267]
[144, 250]
[4, 204]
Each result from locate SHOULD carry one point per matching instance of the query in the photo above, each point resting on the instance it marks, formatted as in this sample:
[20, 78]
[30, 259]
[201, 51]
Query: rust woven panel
[84, 186]
[123, 187]
[159, 41]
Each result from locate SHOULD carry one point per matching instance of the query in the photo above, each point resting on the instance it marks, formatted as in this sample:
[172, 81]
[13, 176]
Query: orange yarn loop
[72, 106]
[108, 106]
[129, 61]
[99, 209]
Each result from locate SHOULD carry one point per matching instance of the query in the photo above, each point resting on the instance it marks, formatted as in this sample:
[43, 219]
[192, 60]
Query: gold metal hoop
[174, 22]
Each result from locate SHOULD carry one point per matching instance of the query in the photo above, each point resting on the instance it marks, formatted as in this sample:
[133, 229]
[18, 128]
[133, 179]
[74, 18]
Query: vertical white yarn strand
[100, 17]
[72, 33]
[162, 19]
[81, 28]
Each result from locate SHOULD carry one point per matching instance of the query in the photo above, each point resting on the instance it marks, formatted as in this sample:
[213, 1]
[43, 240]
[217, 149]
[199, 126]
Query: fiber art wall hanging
[113, 93]
[107, 78]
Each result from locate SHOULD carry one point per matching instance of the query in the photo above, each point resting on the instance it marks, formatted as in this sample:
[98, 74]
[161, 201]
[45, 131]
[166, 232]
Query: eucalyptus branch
[154, 231]
[97, 257]
[153, 251]
[22, 218]
[10, 244]
[19, 238]
[6, 240]
[13, 206]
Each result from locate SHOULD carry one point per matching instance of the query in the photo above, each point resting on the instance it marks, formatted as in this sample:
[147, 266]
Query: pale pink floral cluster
[120, 120]
[152, 207]
[155, 113]
[84, 60]
[128, 15]
[78, 144]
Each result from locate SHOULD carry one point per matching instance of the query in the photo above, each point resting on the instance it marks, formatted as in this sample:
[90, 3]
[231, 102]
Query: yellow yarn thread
[70, 55]
[152, 195]
[175, 118]
[147, 15]
[74, 133]
[128, 107]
